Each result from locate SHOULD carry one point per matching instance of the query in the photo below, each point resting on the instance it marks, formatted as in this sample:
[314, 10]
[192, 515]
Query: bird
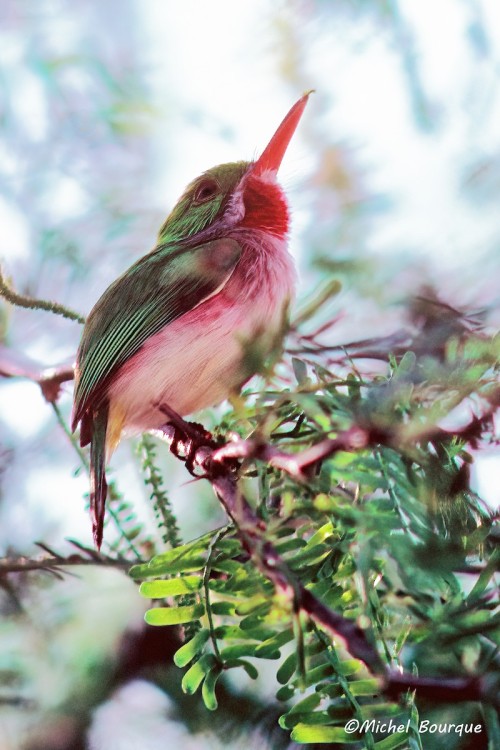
[178, 325]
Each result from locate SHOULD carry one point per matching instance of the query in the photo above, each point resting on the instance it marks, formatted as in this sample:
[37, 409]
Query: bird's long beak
[273, 154]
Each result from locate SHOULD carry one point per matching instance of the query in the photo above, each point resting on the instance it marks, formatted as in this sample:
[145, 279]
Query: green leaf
[285, 693]
[307, 704]
[396, 739]
[231, 567]
[223, 608]
[406, 365]
[349, 666]
[485, 576]
[249, 668]
[243, 581]
[189, 557]
[179, 560]
[238, 649]
[307, 734]
[309, 556]
[330, 289]
[208, 688]
[227, 547]
[256, 604]
[171, 587]
[353, 386]
[274, 643]
[364, 687]
[492, 724]
[296, 542]
[321, 535]
[195, 674]
[311, 718]
[232, 632]
[253, 622]
[319, 673]
[402, 636]
[287, 669]
[174, 615]
[192, 648]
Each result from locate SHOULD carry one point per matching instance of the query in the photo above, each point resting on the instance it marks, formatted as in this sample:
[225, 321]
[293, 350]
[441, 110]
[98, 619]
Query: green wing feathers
[155, 291]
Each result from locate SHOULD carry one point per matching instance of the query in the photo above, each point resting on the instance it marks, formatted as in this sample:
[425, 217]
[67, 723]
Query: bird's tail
[98, 484]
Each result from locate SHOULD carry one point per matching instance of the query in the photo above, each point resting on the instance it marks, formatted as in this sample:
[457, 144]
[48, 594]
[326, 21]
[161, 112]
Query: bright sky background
[216, 67]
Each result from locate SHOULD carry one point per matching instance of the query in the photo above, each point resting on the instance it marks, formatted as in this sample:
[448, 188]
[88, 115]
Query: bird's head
[244, 194]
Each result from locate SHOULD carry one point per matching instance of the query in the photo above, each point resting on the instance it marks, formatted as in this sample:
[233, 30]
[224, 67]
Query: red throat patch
[266, 207]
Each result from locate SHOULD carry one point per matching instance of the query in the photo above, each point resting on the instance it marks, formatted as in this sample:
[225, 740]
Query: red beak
[273, 154]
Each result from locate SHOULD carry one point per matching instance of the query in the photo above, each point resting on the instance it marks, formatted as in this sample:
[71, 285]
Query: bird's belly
[195, 362]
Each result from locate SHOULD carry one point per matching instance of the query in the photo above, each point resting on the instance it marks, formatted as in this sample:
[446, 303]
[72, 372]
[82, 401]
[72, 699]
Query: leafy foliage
[390, 535]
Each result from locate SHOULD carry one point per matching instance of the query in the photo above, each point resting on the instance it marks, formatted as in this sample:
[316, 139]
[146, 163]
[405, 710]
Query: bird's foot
[185, 438]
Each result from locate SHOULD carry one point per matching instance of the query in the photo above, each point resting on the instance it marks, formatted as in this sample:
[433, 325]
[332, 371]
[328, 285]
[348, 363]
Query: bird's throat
[266, 207]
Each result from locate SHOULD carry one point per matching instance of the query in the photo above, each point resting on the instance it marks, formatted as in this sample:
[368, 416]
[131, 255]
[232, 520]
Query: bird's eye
[205, 190]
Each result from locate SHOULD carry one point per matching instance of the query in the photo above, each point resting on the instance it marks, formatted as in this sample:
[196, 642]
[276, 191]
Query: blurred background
[107, 110]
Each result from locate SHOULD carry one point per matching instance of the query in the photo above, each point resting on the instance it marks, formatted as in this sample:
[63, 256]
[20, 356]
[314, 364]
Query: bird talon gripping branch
[185, 442]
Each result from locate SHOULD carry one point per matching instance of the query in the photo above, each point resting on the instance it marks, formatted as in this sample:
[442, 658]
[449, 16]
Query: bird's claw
[186, 438]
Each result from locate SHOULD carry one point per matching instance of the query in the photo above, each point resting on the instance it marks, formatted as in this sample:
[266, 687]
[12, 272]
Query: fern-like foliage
[387, 533]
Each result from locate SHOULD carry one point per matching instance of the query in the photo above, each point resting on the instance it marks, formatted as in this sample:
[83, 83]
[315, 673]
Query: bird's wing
[155, 291]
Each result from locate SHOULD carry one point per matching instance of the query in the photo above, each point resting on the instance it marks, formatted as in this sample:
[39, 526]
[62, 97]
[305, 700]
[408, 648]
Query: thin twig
[13, 364]
[252, 534]
[355, 438]
[359, 642]
[161, 503]
[52, 563]
[22, 300]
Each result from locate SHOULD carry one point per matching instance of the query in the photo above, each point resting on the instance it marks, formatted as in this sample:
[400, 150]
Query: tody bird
[176, 327]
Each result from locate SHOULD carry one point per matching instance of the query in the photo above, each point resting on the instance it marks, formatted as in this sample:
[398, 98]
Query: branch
[296, 465]
[251, 530]
[443, 690]
[16, 365]
[219, 468]
[52, 562]
[21, 300]
[13, 364]
[378, 347]
[357, 437]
